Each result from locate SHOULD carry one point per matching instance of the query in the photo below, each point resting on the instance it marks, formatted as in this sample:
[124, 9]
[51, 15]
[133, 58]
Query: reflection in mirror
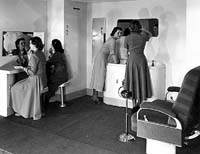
[10, 37]
[150, 24]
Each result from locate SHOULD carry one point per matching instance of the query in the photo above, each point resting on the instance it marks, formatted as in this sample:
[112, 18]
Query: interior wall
[75, 31]
[22, 15]
[55, 21]
[193, 33]
[168, 48]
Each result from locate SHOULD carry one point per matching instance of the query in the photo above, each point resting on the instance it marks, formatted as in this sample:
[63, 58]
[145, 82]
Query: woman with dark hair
[137, 76]
[20, 52]
[56, 68]
[22, 60]
[100, 63]
[25, 94]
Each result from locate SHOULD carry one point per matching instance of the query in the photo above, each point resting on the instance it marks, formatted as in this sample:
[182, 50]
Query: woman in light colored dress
[123, 52]
[137, 76]
[25, 94]
[100, 63]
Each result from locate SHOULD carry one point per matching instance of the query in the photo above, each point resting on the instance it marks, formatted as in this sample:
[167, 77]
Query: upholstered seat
[165, 124]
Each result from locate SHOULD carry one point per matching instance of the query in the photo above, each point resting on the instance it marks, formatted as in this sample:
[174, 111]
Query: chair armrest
[160, 106]
[163, 107]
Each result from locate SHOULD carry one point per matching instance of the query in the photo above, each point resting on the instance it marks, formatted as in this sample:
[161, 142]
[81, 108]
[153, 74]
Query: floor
[80, 128]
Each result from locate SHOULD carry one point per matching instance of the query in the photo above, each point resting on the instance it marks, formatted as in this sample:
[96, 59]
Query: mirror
[9, 38]
[149, 24]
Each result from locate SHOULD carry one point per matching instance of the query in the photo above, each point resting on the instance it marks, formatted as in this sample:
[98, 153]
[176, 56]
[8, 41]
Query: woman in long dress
[137, 76]
[100, 63]
[56, 68]
[25, 94]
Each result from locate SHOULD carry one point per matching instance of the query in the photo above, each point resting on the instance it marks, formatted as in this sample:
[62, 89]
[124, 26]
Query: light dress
[25, 94]
[100, 63]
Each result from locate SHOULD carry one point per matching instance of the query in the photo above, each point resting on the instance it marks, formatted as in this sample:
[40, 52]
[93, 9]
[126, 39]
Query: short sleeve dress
[100, 63]
[137, 76]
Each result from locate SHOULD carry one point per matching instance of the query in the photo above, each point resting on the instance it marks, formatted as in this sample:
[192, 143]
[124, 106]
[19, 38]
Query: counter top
[7, 64]
[9, 70]
[113, 64]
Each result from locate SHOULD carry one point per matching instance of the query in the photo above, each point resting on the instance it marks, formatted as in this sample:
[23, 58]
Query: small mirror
[149, 24]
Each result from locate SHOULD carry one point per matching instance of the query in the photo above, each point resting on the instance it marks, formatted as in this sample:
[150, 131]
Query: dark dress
[22, 61]
[137, 76]
[56, 73]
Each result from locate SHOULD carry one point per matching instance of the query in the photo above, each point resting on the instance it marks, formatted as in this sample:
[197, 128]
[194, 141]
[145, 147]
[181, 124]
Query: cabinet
[7, 79]
[115, 75]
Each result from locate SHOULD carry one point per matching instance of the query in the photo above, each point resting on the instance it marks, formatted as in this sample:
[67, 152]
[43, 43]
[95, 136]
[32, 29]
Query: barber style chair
[166, 124]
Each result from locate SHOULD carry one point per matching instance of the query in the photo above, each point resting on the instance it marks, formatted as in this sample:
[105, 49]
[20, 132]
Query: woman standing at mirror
[100, 63]
[137, 76]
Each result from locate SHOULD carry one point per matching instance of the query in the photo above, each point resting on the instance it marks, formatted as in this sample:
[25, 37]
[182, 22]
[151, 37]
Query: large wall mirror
[9, 38]
[150, 24]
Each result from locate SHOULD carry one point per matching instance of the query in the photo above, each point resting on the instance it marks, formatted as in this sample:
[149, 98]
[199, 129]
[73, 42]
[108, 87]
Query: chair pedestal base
[157, 147]
[62, 105]
[126, 137]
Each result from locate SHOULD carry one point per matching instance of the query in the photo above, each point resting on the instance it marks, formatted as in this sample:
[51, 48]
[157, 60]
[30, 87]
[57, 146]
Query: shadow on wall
[69, 67]
[168, 33]
[164, 47]
[40, 22]
[150, 50]
[113, 14]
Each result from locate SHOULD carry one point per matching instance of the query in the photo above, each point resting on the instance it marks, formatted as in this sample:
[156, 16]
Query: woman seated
[56, 68]
[25, 94]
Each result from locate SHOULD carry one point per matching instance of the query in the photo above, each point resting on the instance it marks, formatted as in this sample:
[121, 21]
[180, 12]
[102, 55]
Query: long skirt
[25, 97]
[137, 77]
[99, 72]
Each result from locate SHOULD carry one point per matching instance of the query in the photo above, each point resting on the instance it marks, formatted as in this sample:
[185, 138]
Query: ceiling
[99, 1]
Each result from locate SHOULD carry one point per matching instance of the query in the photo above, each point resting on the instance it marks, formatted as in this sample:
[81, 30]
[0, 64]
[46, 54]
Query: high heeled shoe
[17, 115]
[96, 100]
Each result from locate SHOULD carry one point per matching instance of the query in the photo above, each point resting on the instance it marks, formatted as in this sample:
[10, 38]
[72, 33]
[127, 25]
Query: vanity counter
[7, 79]
[7, 64]
[115, 75]
[9, 69]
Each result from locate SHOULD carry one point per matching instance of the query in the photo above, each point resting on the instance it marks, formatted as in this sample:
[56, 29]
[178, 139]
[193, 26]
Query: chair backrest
[187, 103]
